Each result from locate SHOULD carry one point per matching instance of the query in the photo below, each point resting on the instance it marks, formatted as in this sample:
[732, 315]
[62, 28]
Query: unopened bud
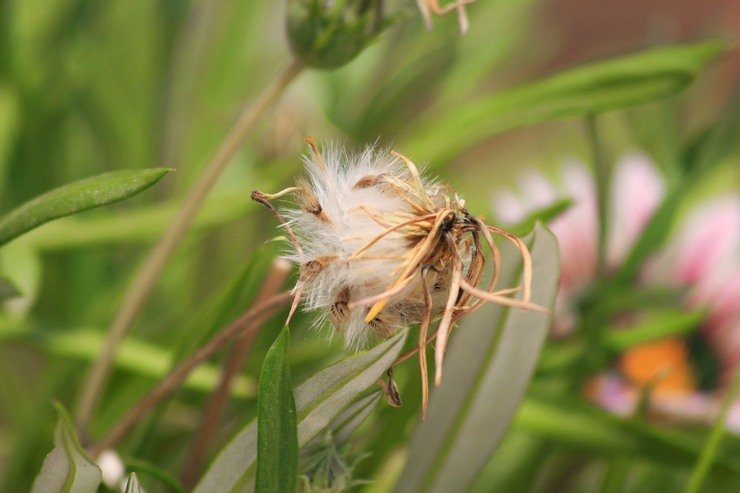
[331, 33]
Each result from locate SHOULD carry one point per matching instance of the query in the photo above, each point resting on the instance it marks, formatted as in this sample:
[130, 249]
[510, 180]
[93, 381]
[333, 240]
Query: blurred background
[89, 86]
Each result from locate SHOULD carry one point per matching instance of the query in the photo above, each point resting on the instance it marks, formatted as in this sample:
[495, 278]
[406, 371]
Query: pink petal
[508, 208]
[696, 408]
[709, 238]
[720, 295]
[575, 229]
[613, 394]
[538, 191]
[637, 189]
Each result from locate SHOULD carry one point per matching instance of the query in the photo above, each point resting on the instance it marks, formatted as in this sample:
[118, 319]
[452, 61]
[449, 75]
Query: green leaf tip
[277, 432]
[99, 190]
[132, 484]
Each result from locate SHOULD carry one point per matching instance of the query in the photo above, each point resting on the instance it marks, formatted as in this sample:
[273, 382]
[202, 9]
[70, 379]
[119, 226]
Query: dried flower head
[380, 248]
[429, 7]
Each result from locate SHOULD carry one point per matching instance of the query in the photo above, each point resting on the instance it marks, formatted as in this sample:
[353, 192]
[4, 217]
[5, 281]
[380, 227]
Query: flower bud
[330, 33]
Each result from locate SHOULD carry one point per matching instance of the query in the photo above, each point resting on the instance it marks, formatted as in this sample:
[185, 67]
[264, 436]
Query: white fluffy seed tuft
[347, 202]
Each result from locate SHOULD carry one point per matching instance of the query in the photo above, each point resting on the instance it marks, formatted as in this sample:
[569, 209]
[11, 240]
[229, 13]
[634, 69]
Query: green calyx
[329, 34]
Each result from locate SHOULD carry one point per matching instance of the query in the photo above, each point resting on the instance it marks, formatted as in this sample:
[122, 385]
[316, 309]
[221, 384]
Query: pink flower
[703, 257]
[637, 189]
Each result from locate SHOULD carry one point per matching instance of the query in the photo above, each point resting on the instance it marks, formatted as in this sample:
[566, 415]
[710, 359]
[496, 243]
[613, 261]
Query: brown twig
[211, 416]
[171, 382]
[149, 273]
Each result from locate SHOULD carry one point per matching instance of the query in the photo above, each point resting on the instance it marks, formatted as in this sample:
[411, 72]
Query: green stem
[711, 447]
[601, 174]
[149, 273]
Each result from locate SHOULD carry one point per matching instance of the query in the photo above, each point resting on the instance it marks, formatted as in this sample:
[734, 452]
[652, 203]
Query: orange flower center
[664, 364]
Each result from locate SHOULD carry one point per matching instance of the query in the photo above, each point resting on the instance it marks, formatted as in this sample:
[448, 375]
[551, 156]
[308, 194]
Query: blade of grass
[277, 429]
[711, 447]
[594, 88]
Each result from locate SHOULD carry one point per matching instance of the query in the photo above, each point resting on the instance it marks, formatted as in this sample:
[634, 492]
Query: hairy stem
[239, 327]
[149, 272]
[211, 416]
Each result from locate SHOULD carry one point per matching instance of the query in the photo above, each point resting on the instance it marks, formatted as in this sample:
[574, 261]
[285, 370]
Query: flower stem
[148, 274]
[601, 174]
[239, 327]
[711, 447]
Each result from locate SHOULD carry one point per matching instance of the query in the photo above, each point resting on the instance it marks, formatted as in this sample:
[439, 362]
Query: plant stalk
[148, 274]
[711, 447]
[601, 175]
[239, 327]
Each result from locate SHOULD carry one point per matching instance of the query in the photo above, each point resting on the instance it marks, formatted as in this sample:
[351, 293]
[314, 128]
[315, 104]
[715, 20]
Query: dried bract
[380, 248]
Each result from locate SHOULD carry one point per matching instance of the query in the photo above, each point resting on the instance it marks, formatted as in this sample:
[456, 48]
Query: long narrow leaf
[319, 401]
[67, 468]
[596, 431]
[488, 367]
[75, 197]
[277, 435]
[136, 356]
[594, 88]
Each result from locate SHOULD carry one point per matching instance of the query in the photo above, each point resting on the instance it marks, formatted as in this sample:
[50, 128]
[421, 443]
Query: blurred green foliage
[88, 87]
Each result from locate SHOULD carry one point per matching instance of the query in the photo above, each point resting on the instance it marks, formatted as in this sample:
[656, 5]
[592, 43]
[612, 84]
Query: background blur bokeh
[89, 86]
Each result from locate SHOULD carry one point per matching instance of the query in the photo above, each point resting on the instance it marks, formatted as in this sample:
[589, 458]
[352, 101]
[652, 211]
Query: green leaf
[9, 124]
[135, 355]
[657, 326]
[148, 468]
[7, 289]
[319, 401]
[82, 195]
[596, 431]
[711, 448]
[487, 369]
[133, 485]
[277, 433]
[655, 233]
[593, 88]
[143, 225]
[699, 160]
[352, 417]
[67, 468]
[544, 215]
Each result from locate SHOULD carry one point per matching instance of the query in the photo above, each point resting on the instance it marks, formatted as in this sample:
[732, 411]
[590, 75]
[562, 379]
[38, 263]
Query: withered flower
[381, 248]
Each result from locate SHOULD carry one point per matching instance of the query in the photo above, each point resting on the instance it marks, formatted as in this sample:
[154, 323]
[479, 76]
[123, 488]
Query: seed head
[380, 248]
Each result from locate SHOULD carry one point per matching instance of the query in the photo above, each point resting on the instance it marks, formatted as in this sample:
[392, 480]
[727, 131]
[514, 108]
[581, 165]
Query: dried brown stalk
[274, 280]
[173, 381]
